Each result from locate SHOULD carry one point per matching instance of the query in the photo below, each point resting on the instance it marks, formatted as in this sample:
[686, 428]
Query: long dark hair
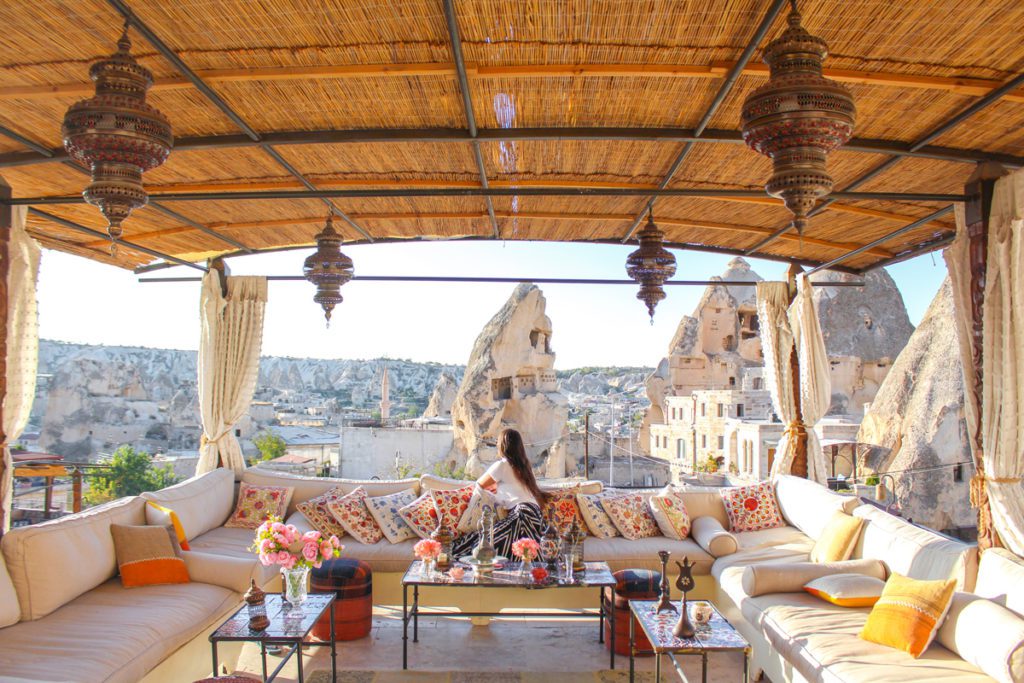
[510, 447]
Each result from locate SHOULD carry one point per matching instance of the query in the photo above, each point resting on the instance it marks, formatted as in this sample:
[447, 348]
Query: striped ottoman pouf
[630, 584]
[352, 581]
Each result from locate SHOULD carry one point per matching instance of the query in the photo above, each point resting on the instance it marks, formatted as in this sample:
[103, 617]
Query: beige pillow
[631, 516]
[670, 513]
[256, 504]
[838, 538]
[712, 536]
[592, 508]
[790, 577]
[985, 634]
[847, 590]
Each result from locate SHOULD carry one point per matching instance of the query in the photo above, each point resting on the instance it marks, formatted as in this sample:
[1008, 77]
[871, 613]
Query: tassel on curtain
[229, 355]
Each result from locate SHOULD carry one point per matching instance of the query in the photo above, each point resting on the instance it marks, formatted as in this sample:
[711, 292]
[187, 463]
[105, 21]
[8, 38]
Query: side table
[718, 636]
[289, 627]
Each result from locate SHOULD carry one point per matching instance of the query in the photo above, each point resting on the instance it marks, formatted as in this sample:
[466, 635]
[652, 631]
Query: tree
[129, 473]
[270, 445]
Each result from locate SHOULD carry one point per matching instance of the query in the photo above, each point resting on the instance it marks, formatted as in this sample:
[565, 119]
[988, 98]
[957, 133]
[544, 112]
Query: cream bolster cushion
[790, 577]
[712, 536]
[233, 573]
[985, 634]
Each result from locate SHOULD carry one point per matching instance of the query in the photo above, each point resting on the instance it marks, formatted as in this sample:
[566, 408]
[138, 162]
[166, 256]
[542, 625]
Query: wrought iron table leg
[263, 658]
[746, 665]
[214, 644]
[334, 648]
[657, 667]
[611, 627]
[632, 647]
[405, 627]
[298, 660]
[704, 666]
[416, 614]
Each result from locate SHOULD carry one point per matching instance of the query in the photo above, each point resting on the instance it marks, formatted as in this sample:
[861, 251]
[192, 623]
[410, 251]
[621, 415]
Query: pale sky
[87, 302]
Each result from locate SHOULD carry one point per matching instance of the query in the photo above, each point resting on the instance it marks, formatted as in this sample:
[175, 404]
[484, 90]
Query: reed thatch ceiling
[364, 99]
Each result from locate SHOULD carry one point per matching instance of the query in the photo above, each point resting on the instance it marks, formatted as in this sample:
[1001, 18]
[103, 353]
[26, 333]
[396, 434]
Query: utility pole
[586, 444]
[629, 445]
[611, 447]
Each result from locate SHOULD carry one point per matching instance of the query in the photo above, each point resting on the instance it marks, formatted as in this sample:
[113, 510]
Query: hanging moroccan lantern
[651, 265]
[117, 136]
[328, 269]
[797, 118]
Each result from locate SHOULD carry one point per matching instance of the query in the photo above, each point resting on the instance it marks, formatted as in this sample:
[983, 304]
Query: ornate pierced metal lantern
[328, 269]
[443, 535]
[256, 605]
[651, 265]
[797, 118]
[117, 136]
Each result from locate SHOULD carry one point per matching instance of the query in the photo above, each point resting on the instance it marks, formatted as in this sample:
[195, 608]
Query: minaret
[385, 404]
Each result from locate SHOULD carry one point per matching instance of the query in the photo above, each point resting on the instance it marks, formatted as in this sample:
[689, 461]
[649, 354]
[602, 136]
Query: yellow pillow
[847, 590]
[909, 613]
[165, 516]
[838, 539]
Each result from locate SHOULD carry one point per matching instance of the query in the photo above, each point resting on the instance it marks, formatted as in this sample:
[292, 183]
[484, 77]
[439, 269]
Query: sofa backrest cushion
[10, 613]
[201, 503]
[703, 501]
[54, 562]
[913, 551]
[310, 487]
[1001, 579]
[808, 505]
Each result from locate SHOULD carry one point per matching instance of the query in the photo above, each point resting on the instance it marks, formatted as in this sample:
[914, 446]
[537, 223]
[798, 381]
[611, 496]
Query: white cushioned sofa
[75, 622]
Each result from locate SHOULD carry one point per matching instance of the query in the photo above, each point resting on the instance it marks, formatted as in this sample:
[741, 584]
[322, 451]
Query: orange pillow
[148, 555]
[909, 613]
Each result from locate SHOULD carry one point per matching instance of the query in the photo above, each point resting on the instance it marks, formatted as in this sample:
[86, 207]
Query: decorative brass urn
[685, 583]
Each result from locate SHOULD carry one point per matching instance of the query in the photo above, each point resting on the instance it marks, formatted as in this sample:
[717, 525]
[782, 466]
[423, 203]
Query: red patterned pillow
[257, 503]
[631, 516]
[421, 515]
[320, 518]
[753, 507]
[452, 505]
[562, 509]
[353, 515]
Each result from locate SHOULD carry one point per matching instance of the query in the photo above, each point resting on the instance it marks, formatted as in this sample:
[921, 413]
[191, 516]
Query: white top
[511, 491]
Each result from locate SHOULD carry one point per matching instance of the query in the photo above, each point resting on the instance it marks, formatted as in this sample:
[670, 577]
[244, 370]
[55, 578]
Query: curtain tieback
[979, 486]
[794, 429]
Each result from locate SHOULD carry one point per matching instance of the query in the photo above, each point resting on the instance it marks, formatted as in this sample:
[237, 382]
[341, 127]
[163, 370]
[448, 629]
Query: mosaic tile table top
[719, 634]
[509, 575]
[286, 622]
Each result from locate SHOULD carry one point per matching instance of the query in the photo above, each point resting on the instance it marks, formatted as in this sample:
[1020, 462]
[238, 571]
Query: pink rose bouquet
[427, 549]
[284, 545]
[526, 549]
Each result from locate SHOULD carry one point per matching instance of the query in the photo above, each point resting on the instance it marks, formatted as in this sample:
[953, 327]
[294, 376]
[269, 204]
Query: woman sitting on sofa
[511, 480]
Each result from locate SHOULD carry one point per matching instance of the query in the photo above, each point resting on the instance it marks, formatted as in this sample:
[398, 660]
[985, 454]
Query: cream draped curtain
[1002, 399]
[786, 326]
[22, 349]
[229, 357]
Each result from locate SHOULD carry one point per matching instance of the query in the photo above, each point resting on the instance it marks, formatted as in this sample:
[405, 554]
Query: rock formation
[510, 383]
[442, 398]
[916, 422]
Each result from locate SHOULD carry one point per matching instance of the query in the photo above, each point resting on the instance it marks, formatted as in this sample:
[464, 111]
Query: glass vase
[296, 585]
[427, 570]
[526, 566]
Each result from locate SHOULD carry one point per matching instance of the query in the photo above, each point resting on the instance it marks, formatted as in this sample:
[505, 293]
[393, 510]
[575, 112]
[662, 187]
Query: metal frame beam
[920, 143]
[400, 135]
[535, 280]
[126, 244]
[730, 80]
[171, 56]
[455, 42]
[881, 240]
[491, 192]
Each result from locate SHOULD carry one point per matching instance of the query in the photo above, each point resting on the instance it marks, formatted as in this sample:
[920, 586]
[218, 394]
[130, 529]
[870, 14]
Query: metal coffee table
[288, 627]
[720, 636]
[597, 575]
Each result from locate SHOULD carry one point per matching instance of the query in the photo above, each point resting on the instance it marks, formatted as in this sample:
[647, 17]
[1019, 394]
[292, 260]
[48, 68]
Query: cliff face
[443, 396]
[916, 422]
[868, 322]
[510, 383]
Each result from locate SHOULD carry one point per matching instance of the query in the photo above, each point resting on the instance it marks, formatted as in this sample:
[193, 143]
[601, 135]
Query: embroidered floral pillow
[752, 508]
[316, 512]
[562, 509]
[385, 511]
[471, 518]
[256, 503]
[452, 504]
[420, 515]
[670, 513]
[631, 516]
[593, 512]
[352, 514]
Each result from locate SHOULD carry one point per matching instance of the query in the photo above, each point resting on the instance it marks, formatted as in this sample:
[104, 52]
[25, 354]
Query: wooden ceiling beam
[478, 215]
[973, 87]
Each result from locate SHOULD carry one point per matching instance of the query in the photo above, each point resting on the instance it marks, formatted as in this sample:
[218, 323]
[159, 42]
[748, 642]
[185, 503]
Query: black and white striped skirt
[523, 521]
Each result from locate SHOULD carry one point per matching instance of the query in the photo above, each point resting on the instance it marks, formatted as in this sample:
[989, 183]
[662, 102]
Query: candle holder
[443, 535]
[665, 600]
[256, 605]
[685, 583]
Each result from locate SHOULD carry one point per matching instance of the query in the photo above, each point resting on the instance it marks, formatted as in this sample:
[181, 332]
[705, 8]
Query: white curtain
[784, 326]
[229, 358]
[22, 349]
